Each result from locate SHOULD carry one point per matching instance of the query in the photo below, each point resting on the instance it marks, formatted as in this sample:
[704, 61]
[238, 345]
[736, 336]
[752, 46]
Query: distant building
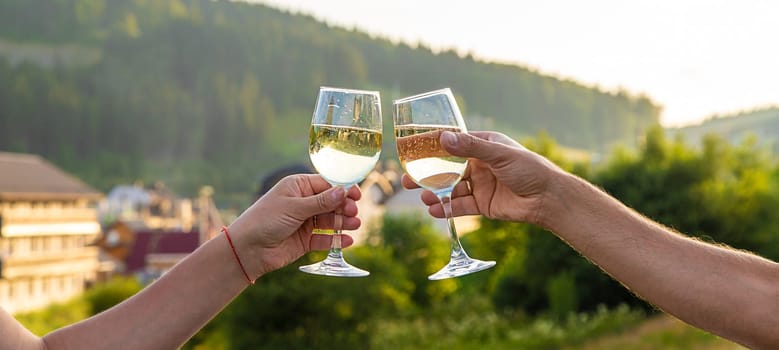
[154, 253]
[47, 220]
[144, 254]
[270, 180]
[150, 229]
[147, 208]
[408, 202]
[383, 194]
[378, 187]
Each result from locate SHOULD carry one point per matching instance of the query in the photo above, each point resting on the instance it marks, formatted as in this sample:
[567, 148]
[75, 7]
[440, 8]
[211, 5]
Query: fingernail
[338, 193]
[449, 138]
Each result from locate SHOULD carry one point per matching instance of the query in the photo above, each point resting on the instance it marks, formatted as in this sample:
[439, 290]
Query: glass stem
[458, 253]
[335, 245]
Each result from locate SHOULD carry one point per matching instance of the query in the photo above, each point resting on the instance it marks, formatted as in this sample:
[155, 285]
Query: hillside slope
[203, 91]
[762, 124]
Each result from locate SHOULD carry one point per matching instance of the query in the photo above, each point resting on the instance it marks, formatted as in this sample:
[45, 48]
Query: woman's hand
[277, 229]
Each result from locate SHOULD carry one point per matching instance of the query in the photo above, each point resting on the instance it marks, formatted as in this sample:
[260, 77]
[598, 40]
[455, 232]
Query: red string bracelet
[235, 253]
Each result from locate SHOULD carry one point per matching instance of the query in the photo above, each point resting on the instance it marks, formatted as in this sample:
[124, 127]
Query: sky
[694, 58]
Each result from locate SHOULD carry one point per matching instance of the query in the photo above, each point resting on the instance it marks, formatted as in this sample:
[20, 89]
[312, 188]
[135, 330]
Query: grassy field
[660, 332]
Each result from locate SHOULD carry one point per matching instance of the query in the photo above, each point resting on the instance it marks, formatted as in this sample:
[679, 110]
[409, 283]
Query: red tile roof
[159, 243]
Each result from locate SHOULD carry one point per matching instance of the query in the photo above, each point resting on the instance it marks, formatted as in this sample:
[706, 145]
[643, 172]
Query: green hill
[219, 92]
[762, 124]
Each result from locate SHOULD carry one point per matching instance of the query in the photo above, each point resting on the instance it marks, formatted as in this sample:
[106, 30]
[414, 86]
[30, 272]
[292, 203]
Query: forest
[210, 92]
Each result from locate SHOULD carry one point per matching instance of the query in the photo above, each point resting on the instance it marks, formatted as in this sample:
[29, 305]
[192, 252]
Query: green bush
[54, 316]
[294, 310]
[561, 292]
[720, 193]
[104, 296]
[96, 299]
[413, 242]
[468, 323]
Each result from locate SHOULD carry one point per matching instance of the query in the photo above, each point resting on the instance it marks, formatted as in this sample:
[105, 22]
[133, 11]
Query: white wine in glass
[344, 144]
[419, 121]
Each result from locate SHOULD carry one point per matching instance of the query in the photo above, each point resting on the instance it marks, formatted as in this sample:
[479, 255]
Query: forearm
[15, 336]
[166, 313]
[727, 292]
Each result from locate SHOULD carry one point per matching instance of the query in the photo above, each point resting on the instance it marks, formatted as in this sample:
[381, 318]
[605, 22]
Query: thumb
[466, 145]
[323, 202]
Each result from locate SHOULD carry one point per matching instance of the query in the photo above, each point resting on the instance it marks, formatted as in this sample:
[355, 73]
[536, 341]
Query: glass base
[461, 267]
[334, 266]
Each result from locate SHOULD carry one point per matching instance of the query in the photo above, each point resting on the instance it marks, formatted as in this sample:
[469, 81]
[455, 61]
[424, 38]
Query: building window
[77, 242]
[20, 287]
[35, 243]
[5, 247]
[17, 246]
[4, 291]
[56, 243]
[35, 287]
[23, 245]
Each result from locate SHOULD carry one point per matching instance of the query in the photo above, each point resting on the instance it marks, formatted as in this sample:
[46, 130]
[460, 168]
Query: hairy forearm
[166, 313]
[727, 292]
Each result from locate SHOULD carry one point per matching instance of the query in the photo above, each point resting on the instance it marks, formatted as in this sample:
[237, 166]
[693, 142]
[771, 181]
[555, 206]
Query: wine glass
[419, 121]
[344, 143]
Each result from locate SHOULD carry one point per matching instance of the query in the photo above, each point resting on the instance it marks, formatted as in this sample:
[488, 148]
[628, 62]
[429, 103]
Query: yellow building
[47, 220]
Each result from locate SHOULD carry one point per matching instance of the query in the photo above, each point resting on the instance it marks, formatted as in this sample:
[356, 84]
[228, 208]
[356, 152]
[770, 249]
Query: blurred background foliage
[541, 295]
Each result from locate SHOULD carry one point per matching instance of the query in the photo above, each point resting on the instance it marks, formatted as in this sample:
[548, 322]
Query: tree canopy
[194, 92]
